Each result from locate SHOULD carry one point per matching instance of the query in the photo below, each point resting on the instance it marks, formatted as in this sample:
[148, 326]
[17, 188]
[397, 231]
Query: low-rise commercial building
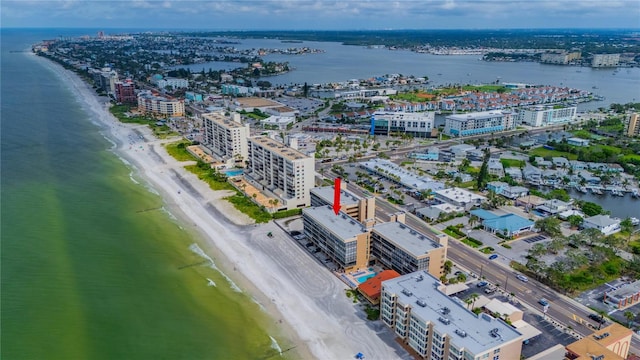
[624, 296]
[459, 197]
[508, 225]
[438, 327]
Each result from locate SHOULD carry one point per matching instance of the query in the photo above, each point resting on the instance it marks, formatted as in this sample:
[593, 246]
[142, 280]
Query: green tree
[627, 227]
[549, 225]
[483, 175]
[591, 209]
[629, 316]
[575, 220]
[448, 265]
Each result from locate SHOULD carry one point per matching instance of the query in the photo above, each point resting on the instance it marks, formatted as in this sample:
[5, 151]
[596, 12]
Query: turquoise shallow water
[86, 274]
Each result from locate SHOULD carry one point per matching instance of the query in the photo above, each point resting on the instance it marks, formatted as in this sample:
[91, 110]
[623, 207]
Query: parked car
[522, 278]
[489, 290]
[543, 302]
[597, 318]
[482, 284]
[493, 257]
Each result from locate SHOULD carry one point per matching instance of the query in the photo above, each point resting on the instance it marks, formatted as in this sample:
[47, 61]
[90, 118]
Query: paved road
[561, 308]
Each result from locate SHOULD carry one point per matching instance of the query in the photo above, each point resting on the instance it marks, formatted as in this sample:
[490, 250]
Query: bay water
[93, 267]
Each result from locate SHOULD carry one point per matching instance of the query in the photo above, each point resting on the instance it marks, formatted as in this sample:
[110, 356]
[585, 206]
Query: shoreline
[306, 301]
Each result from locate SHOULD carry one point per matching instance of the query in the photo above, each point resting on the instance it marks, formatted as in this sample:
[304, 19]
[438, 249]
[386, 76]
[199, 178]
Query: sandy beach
[306, 302]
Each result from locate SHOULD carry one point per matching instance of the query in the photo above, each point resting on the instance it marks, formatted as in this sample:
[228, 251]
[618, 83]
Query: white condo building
[438, 327]
[281, 170]
[478, 123]
[605, 60]
[541, 116]
[174, 83]
[418, 124]
[226, 137]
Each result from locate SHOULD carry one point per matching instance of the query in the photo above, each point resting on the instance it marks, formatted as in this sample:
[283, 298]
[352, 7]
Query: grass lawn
[542, 152]
[507, 163]
[487, 250]
[473, 244]
[179, 151]
[583, 134]
[598, 148]
[452, 234]
[246, 206]
[203, 174]
[630, 157]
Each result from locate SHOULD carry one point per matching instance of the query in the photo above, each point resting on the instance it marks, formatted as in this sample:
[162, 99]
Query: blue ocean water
[85, 273]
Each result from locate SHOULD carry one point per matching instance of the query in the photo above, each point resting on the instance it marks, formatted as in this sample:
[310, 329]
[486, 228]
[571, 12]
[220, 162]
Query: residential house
[606, 224]
[553, 207]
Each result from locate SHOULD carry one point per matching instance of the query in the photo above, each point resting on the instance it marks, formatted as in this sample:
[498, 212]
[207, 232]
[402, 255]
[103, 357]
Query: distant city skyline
[321, 14]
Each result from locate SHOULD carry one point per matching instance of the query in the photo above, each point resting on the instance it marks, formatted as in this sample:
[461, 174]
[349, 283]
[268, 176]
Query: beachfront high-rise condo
[149, 102]
[478, 123]
[340, 237]
[125, 92]
[396, 246]
[226, 136]
[280, 170]
[439, 327]
[359, 208]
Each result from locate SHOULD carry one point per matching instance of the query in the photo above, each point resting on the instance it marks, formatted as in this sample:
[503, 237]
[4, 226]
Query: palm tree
[601, 313]
[629, 316]
[473, 299]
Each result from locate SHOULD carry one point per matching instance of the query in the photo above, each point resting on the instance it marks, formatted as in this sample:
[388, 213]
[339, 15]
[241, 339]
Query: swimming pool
[364, 278]
[233, 172]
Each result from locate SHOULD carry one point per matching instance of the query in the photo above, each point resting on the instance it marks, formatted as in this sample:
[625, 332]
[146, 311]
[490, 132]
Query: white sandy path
[306, 295]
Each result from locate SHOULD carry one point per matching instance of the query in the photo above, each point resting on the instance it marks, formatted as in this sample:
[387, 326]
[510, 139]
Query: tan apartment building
[632, 125]
[609, 343]
[396, 246]
[280, 170]
[344, 240]
[361, 209]
[226, 137]
[435, 326]
[159, 105]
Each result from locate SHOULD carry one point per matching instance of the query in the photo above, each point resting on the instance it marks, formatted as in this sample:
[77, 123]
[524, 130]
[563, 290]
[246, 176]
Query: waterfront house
[514, 173]
[606, 224]
[514, 192]
[532, 174]
[553, 207]
[541, 162]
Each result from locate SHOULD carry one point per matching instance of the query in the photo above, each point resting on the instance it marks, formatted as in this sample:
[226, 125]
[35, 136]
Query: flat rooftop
[459, 195]
[410, 240]
[407, 178]
[342, 225]
[476, 115]
[479, 332]
[625, 291]
[326, 194]
[256, 102]
[278, 148]
[225, 121]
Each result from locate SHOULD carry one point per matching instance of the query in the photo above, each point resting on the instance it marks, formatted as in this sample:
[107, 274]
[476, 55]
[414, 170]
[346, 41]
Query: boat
[635, 193]
[635, 221]
[581, 189]
[596, 191]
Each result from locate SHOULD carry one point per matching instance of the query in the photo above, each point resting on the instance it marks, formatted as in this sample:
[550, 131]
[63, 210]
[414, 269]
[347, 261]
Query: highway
[562, 309]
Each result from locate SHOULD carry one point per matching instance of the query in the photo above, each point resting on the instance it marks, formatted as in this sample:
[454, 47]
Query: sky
[320, 14]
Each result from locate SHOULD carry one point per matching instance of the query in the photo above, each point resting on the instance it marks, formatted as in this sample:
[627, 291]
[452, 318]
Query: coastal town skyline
[323, 14]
